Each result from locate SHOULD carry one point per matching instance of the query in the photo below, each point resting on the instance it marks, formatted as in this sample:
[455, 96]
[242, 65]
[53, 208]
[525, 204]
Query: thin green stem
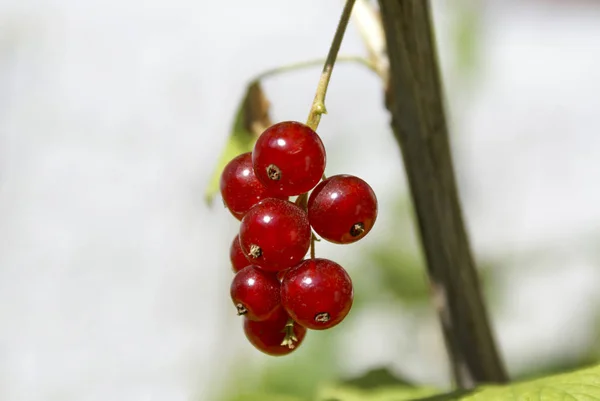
[318, 106]
[313, 63]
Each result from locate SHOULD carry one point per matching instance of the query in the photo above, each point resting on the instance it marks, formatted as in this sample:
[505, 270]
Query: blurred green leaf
[265, 397]
[296, 376]
[393, 266]
[401, 273]
[581, 385]
[466, 34]
[376, 378]
[251, 119]
[314, 363]
[385, 393]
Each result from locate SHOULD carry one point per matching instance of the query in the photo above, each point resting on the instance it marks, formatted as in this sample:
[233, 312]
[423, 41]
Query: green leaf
[581, 385]
[384, 393]
[251, 119]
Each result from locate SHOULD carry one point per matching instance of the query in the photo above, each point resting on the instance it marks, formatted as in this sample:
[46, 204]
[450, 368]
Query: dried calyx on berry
[317, 293]
[277, 336]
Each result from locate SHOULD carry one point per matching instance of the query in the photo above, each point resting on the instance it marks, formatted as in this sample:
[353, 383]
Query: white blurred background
[114, 274]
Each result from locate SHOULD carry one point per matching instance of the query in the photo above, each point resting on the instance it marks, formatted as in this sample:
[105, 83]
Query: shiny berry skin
[255, 293]
[275, 234]
[239, 186]
[269, 335]
[317, 293]
[289, 158]
[342, 209]
[236, 255]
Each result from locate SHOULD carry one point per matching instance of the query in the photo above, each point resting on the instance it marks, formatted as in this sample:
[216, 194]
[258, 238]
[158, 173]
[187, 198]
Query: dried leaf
[251, 119]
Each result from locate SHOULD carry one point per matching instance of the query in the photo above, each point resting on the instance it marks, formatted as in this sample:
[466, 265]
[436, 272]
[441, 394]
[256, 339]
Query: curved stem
[368, 22]
[313, 63]
[318, 106]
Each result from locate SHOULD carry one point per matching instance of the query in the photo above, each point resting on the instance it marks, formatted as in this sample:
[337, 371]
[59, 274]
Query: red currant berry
[275, 234]
[342, 209]
[237, 256]
[289, 158]
[240, 188]
[317, 293]
[255, 293]
[276, 336]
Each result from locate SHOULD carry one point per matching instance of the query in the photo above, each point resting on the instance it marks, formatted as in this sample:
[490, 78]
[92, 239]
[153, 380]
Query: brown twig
[415, 101]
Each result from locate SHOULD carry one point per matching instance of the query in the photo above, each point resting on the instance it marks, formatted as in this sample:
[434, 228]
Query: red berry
[275, 234]
[255, 293]
[342, 209]
[237, 256]
[289, 158]
[274, 336]
[317, 293]
[240, 188]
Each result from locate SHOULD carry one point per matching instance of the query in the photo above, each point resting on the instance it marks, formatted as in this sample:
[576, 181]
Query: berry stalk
[290, 336]
[318, 105]
[313, 240]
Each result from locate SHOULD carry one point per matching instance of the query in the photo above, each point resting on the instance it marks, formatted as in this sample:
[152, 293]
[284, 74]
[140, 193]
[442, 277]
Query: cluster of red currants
[279, 292]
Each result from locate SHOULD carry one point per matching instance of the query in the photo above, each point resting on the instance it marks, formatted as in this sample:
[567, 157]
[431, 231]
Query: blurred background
[114, 273]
